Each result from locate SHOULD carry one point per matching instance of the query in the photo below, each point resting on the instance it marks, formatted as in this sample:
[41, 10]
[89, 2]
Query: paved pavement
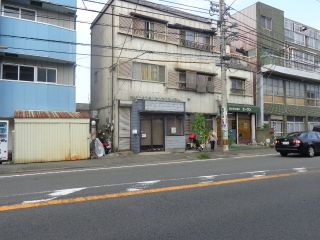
[129, 158]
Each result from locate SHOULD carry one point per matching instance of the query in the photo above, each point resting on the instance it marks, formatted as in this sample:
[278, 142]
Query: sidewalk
[129, 158]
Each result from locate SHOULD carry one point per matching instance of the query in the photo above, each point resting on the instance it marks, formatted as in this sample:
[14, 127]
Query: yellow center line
[142, 192]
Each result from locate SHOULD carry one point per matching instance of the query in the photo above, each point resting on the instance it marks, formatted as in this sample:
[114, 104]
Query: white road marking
[134, 189]
[128, 166]
[205, 182]
[64, 192]
[258, 173]
[55, 194]
[142, 185]
[300, 170]
[211, 177]
[204, 178]
[149, 182]
[37, 201]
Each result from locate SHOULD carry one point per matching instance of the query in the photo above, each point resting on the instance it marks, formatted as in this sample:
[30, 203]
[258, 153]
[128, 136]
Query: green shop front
[241, 123]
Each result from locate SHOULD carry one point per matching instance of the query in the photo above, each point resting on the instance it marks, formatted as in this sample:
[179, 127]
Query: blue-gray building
[37, 56]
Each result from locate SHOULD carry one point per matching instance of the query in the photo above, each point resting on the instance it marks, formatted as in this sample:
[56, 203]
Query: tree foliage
[199, 127]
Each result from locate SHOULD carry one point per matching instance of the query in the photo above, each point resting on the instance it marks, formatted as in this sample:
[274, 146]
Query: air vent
[36, 3]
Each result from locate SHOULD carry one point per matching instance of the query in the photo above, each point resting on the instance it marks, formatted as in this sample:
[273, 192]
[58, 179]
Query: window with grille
[237, 86]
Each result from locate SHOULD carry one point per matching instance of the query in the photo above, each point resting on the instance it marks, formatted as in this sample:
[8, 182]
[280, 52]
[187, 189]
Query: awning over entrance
[243, 108]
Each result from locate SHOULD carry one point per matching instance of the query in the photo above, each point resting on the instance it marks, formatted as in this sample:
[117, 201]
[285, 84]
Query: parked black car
[305, 143]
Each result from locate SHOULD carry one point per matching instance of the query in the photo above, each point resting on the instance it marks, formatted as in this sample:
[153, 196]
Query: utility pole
[224, 92]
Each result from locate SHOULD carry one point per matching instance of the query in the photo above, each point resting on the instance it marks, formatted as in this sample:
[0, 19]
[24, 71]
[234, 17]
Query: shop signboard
[243, 109]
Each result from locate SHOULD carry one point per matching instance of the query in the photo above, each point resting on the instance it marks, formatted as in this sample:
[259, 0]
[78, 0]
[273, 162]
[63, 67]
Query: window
[18, 12]
[11, 11]
[295, 124]
[291, 89]
[299, 38]
[203, 39]
[195, 40]
[28, 73]
[175, 126]
[295, 89]
[47, 75]
[237, 86]
[190, 36]
[289, 35]
[273, 87]
[182, 80]
[266, 22]
[18, 72]
[28, 14]
[288, 24]
[148, 72]
[299, 90]
[10, 72]
[149, 30]
[278, 87]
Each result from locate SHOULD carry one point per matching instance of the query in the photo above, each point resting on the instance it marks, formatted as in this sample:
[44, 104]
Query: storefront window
[174, 126]
[295, 124]
[312, 122]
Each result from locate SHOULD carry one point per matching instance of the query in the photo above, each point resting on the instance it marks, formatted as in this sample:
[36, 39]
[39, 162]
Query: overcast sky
[306, 12]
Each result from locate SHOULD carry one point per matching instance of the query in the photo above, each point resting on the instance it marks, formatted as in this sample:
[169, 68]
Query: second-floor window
[273, 87]
[237, 86]
[47, 75]
[194, 81]
[266, 22]
[148, 72]
[28, 73]
[17, 12]
[295, 89]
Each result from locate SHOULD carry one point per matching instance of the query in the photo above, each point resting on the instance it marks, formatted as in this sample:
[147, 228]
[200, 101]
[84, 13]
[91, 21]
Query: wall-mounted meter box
[4, 138]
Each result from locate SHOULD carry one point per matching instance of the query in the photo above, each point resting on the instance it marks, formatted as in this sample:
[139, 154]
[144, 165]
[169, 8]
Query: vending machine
[4, 137]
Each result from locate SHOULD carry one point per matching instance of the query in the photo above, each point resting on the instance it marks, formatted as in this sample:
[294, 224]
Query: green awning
[243, 108]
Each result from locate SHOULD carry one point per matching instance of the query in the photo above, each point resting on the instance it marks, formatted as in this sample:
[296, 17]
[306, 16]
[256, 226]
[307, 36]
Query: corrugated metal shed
[50, 136]
[42, 114]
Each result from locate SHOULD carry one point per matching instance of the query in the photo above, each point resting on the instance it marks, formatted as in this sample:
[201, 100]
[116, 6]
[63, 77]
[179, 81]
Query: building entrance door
[244, 129]
[152, 133]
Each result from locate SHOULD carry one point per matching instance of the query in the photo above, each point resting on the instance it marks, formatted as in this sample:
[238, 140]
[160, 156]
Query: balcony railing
[289, 63]
[196, 45]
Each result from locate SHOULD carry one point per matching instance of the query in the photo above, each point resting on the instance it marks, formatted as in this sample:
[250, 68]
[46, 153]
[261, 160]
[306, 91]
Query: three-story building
[153, 68]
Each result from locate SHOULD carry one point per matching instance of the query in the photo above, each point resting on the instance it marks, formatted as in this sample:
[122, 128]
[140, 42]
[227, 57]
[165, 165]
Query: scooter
[105, 142]
[194, 142]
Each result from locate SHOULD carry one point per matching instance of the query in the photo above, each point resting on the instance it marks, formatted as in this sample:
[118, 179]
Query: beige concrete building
[153, 68]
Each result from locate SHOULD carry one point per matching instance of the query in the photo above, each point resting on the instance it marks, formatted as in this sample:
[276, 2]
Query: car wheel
[284, 154]
[310, 151]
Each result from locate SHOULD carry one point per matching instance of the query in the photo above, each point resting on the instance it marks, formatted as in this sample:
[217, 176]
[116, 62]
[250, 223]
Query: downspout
[112, 76]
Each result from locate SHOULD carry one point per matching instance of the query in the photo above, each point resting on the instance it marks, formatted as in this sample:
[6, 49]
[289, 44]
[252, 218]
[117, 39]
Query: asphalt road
[269, 197]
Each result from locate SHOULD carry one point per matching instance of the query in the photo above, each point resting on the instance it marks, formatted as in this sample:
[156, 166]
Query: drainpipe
[112, 76]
